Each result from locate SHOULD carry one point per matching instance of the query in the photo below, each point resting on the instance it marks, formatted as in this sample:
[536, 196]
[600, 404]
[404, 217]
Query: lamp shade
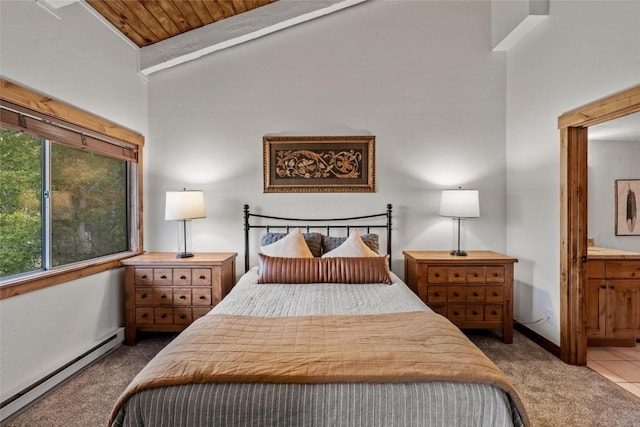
[460, 203]
[181, 205]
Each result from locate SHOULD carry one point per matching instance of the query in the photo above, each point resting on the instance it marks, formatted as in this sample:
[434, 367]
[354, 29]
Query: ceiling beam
[234, 30]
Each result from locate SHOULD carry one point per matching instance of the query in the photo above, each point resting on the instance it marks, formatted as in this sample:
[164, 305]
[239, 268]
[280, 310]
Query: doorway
[574, 127]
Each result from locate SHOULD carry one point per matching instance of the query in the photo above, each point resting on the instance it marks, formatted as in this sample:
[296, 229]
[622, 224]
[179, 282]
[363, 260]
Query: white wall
[583, 51]
[77, 61]
[420, 76]
[608, 161]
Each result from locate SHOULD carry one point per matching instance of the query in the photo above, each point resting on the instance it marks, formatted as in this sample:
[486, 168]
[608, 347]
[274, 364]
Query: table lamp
[459, 204]
[184, 206]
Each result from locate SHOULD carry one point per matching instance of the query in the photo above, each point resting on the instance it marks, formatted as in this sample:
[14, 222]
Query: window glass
[58, 204]
[20, 203]
[88, 205]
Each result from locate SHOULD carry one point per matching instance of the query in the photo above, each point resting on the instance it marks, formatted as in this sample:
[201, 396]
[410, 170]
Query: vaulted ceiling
[145, 22]
[172, 32]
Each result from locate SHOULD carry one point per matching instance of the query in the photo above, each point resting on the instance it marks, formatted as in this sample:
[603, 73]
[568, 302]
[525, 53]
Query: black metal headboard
[308, 224]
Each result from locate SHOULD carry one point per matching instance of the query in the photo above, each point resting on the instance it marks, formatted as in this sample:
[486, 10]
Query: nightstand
[474, 291]
[165, 294]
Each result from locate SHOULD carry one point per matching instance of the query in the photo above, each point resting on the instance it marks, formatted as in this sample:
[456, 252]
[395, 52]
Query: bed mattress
[434, 403]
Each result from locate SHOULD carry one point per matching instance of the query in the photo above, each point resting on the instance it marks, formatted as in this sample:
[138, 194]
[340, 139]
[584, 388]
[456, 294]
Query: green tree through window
[20, 203]
[87, 210]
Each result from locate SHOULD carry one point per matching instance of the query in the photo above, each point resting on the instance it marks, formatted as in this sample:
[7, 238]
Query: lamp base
[184, 255]
[458, 252]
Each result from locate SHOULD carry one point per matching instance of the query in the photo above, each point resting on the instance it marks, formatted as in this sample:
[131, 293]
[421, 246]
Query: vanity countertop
[595, 252]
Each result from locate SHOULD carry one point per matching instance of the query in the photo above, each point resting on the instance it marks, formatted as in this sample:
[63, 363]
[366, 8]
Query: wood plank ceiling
[146, 22]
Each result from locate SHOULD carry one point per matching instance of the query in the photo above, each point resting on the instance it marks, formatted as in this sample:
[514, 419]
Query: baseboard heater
[29, 394]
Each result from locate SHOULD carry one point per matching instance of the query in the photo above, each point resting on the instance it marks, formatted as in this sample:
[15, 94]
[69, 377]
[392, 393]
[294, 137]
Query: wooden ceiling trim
[149, 21]
[200, 8]
[188, 13]
[174, 15]
[227, 8]
[215, 10]
[118, 21]
[239, 6]
[155, 8]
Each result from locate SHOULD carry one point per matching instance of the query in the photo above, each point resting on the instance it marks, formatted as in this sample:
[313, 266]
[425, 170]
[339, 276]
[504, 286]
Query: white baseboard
[24, 398]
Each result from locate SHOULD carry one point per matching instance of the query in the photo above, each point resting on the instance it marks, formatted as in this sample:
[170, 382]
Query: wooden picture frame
[627, 207]
[319, 164]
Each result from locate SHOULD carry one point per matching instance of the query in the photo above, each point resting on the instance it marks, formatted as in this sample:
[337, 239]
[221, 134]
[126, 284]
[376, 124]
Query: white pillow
[352, 247]
[290, 246]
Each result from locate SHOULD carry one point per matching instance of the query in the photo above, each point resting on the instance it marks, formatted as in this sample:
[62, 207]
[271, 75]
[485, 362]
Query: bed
[320, 341]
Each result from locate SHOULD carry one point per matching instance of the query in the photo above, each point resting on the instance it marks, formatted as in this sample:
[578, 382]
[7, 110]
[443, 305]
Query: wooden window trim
[67, 114]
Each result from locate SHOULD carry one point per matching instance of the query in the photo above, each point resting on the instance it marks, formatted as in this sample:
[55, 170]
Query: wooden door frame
[573, 127]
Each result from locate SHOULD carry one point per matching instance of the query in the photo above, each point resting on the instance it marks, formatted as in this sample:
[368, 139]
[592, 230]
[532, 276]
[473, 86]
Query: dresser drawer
[436, 294]
[143, 276]
[474, 312]
[476, 293]
[440, 309]
[181, 276]
[456, 274]
[456, 313]
[495, 274]
[201, 277]
[144, 316]
[144, 296]
[493, 313]
[182, 316]
[437, 275]
[475, 274]
[201, 296]
[494, 294]
[198, 312]
[623, 270]
[456, 294]
[162, 276]
[181, 296]
[163, 316]
[163, 296]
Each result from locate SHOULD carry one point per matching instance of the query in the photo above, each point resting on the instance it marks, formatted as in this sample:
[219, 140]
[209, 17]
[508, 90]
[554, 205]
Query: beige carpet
[554, 394]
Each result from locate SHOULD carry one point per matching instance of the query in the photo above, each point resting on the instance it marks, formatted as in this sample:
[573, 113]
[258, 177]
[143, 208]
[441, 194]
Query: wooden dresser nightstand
[474, 291]
[165, 294]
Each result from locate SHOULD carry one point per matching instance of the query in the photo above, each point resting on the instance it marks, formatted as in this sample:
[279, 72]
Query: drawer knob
[144, 276]
[164, 315]
[475, 274]
[202, 277]
[183, 277]
[475, 313]
[494, 312]
[456, 275]
[164, 276]
[456, 294]
[475, 294]
[143, 296]
[144, 315]
[455, 313]
[437, 294]
[202, 297]
[495, 294]
[183, 316]
[163, 296]
[437, 274]
[495, 274]
[183, 297]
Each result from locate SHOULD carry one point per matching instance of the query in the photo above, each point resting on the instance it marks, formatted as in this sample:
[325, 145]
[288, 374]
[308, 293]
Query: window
[69, 195]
